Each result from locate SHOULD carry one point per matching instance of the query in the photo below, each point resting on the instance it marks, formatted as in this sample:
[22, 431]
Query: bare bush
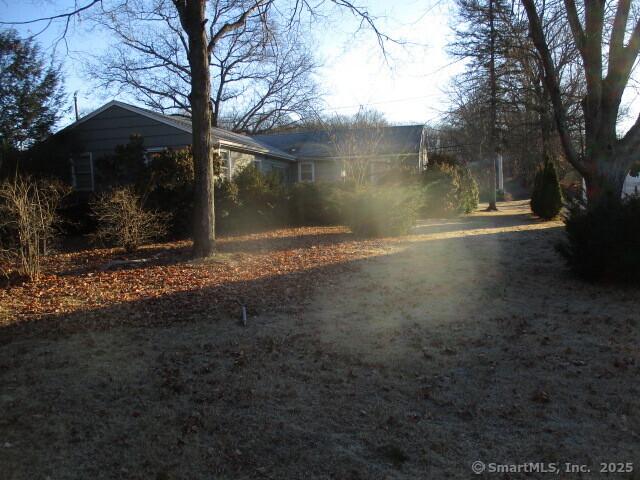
[123, 221]
[29, 221]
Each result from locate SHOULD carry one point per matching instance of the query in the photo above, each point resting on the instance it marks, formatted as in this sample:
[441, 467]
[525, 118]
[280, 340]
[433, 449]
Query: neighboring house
[305, 156]
[325, 155]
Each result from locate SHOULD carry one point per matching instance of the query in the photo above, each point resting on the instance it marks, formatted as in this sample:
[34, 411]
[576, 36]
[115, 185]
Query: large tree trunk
[545, 122]
[605, 180]
[607, 159]
[192, 17]
[494, 107]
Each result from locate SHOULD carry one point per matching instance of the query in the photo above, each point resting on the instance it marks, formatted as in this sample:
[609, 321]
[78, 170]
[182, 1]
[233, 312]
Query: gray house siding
[280, 167]
[114, 126]
[327, 170]
[240, 160]
[101, 132]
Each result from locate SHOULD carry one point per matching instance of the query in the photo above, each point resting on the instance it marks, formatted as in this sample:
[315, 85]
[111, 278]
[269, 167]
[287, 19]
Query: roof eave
[244, 148]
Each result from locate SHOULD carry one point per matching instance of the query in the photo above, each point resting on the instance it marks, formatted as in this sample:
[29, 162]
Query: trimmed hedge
[262, 200]
[381, 211]
[316, 203]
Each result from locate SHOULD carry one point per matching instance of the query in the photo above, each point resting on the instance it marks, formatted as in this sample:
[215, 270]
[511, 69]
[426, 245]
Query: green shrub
[163, 180]
[261, 201]
[316, 203]
[546, 198]
[251, 201]
[126, 166]
[448, 190]
[603, 242]
[170, 189]
[468, 192]
[381, 211]
[226, 204]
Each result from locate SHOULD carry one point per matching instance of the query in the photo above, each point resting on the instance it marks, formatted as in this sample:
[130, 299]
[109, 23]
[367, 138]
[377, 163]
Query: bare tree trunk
[192, 17]
[493, 150]
[544, 121]
[605, 180]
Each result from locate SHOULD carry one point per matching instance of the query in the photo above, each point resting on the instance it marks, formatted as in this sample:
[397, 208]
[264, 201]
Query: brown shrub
[124, 222]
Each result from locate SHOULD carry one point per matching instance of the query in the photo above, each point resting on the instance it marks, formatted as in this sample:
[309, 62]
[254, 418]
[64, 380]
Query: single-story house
[323, 155]
[301, 156]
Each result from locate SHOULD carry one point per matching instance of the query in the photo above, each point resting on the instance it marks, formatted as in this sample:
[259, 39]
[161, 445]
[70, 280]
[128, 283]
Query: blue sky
[407, 87]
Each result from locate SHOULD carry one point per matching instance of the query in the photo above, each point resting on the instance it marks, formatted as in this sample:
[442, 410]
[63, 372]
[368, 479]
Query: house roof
[318, 144]
[224, 137]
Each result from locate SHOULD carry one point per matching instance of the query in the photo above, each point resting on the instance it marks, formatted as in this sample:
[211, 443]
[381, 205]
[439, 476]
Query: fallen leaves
[271, 271]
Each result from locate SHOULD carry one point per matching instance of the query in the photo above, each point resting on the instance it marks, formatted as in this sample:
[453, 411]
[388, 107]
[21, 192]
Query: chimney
[75, 104]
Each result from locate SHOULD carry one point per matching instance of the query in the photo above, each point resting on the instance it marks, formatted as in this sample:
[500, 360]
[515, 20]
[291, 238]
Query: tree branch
[552, 83]
[55, 17]
[574, 23]
[232, 26]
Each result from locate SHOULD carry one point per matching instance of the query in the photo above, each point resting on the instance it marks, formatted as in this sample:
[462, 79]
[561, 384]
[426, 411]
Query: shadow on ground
[408, 365]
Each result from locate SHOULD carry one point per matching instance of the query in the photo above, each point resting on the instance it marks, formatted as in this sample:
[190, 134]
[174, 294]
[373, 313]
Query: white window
[151, 153]
[306, 172]
[225, 164]
[82, 172]
[258, 164]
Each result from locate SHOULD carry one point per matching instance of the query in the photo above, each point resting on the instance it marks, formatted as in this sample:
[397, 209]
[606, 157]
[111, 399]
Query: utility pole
[493, 149]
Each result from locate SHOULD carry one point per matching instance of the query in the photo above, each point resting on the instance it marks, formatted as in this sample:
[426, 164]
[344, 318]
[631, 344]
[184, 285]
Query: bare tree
[356, 142]
[482, 37]
[261, 73]
[609, 48]
[515, 102]
[283, 90]
[204, 29]
[201, 43]
[528, 125]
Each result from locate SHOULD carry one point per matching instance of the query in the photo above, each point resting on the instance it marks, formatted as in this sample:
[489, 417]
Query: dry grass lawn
[407, 358]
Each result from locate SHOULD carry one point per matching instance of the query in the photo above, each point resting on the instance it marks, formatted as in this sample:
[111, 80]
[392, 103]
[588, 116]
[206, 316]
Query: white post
[500, 174]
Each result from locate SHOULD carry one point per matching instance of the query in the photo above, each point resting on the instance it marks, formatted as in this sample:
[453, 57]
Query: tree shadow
[93, 260]
[266, 244]
[284, 293]
[280, 400]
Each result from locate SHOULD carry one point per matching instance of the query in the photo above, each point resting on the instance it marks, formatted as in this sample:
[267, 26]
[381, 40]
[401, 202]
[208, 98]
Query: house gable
[101, 131]
[114, 123]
